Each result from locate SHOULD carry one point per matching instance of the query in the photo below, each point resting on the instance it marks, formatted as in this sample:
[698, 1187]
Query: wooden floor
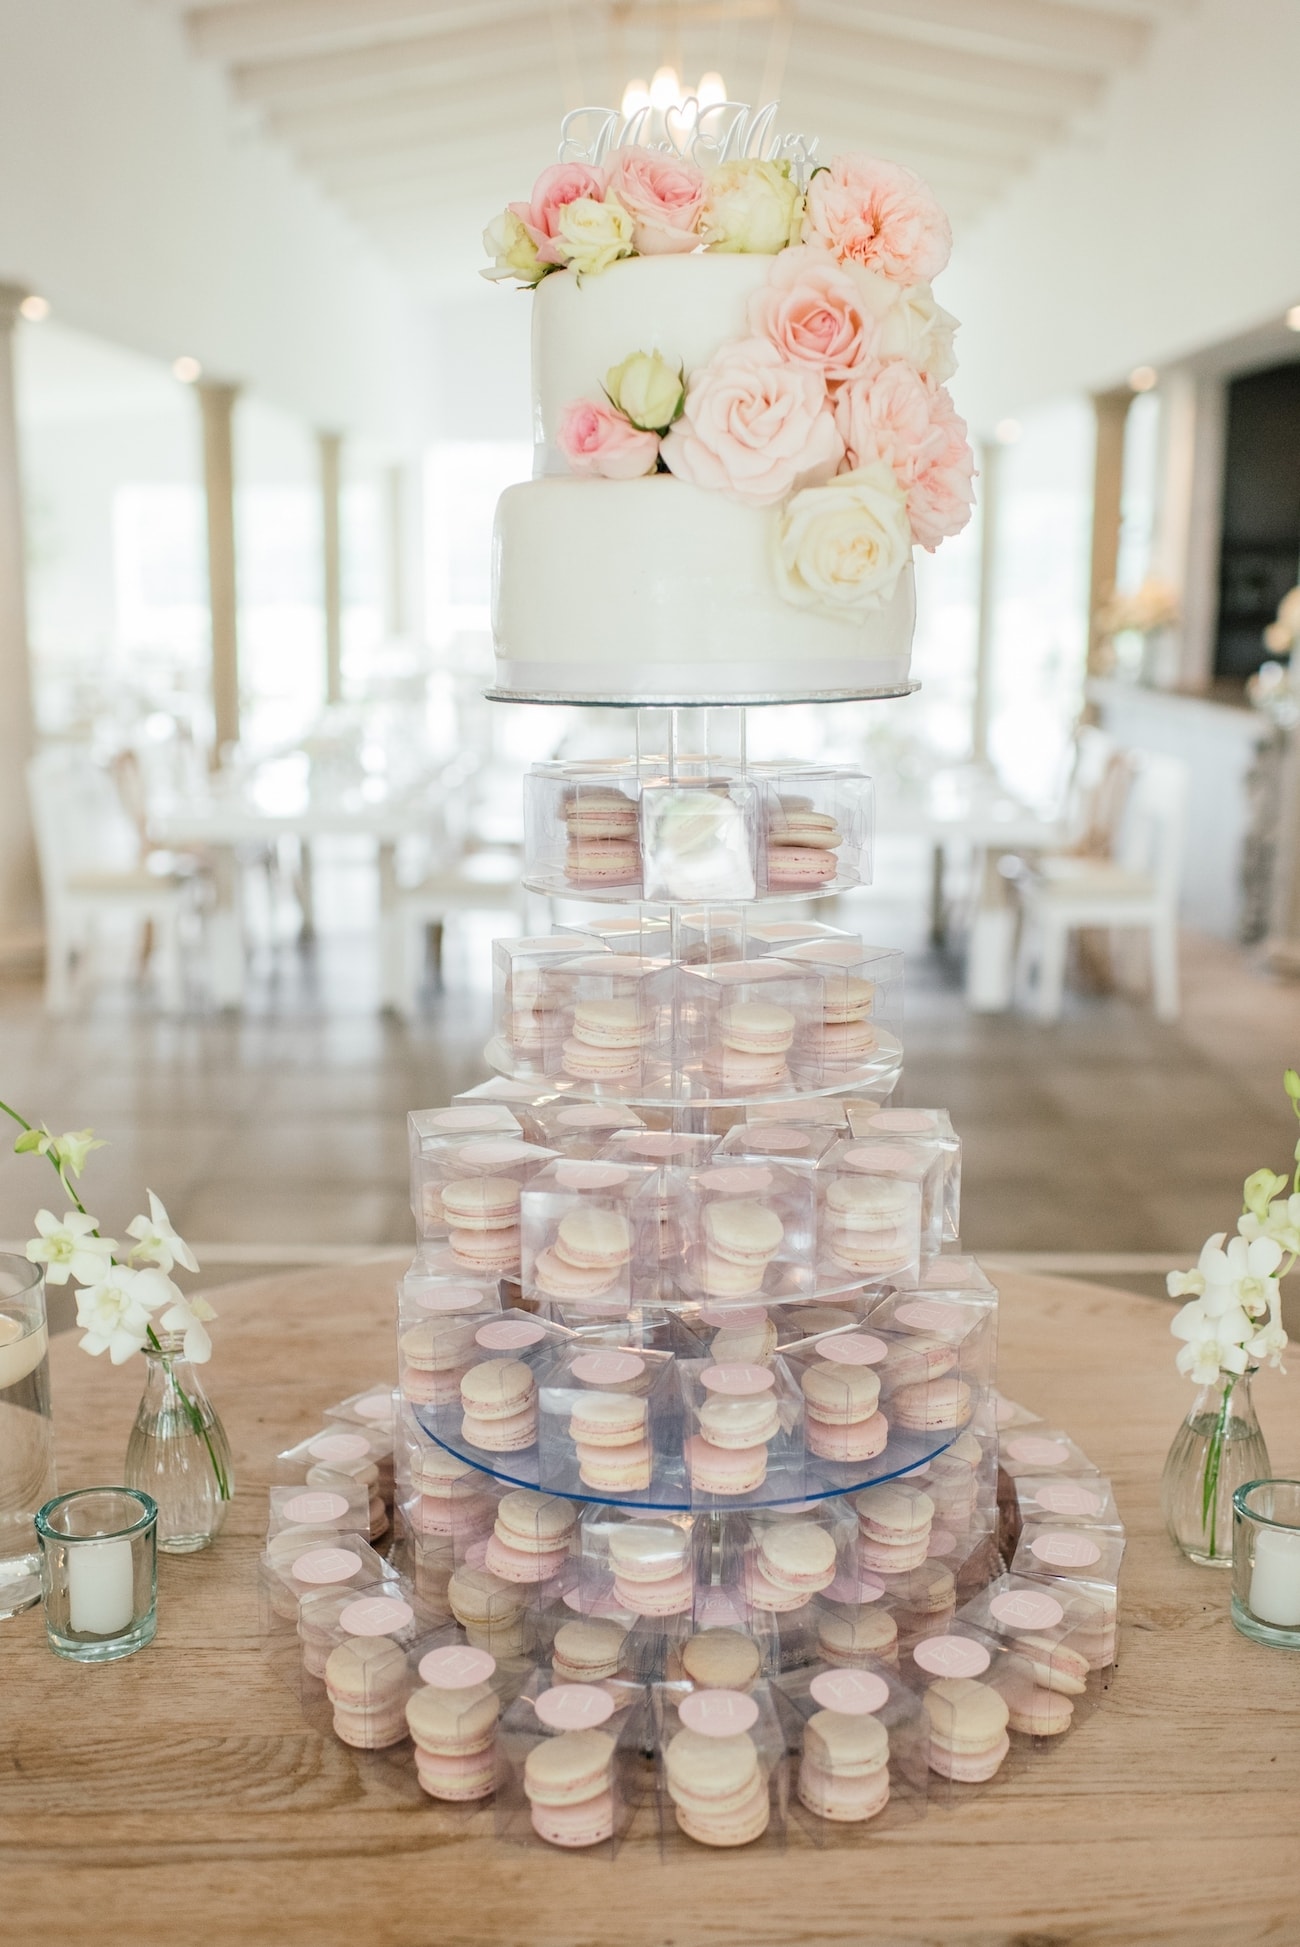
[179, 1797]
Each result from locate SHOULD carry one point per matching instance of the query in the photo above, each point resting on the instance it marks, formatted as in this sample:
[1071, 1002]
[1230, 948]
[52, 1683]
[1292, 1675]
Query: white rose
[841, 548]
[647, 389]
[591, 236]
[512, 250]
[751, 205]
[912, 325]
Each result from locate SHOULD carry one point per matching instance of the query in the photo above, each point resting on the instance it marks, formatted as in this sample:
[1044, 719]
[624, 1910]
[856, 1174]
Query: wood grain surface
[179, 1796]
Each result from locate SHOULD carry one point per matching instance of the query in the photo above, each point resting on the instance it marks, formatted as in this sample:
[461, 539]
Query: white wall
[149, 212]
[1172, 222]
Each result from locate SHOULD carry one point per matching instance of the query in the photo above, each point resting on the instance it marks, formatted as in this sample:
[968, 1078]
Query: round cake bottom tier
[654, 591]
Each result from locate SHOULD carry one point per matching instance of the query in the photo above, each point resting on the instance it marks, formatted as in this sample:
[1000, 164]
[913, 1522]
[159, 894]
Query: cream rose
[814, 315]
[512, 250]
[590, 236]
[754, 426]
[752, 206]
[911, 324]
[648, 389]
[841, 548]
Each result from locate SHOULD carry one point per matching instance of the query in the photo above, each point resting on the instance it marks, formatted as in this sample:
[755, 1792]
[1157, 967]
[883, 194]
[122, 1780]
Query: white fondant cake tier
[683, 307]
[653, 589]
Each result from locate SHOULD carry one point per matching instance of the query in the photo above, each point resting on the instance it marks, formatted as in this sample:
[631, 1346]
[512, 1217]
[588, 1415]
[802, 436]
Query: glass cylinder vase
[178, 1452]
[1216, 1450]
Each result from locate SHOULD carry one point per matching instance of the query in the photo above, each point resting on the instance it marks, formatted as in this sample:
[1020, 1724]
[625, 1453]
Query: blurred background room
[257, 822]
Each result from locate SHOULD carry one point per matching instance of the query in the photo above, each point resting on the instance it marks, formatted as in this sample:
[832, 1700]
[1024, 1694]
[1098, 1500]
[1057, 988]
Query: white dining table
[969, 808]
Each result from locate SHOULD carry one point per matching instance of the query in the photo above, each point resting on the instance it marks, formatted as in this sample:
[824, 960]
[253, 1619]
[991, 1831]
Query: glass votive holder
[1266, 1562]
[99, 1572]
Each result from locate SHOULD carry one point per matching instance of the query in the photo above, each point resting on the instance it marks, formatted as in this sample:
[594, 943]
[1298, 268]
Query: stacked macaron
[435, 1356]
[792, 1561]
[923, 1601]
[749, 1337]
[601, 829]
[841, 1417]
[719, 1793]
[586, 1256]
[844, 1767]
[801, 844]
[451, 1499]
[736, 1417]
[653, 1574]
[894, 1522]
[741, 1237]
[607, 1042]
[339, 1455]
[454, 1731]
[531, 1536]
[1041, 1680]
[489, 1609]
[482, 1214]
[848, 1034]
[932, 1406]
[754, 1038]
[608, 1430]
[872, 1224]
[968, 1729]
[366, 1680]
[719, 1659]
[590, 1649]
[853, 1634]
[499, 1398]
[568, 1781]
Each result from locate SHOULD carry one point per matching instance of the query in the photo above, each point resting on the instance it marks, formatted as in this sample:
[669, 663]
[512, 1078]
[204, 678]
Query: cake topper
[722, 131]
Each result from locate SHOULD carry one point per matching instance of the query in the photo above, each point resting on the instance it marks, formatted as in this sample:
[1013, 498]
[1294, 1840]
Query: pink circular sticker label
[927, 1315]
[859, 1588]
[493, 1156]
[375, 1615]
[339, 1447]
[1026, 1609]
[375, 1406]
[1067, 1497]
[903, 1122]
[853, 1349]
[739, 1179]
[955, 1272]
[607, 1368]
[778, 1141]
[1065, 1550]
[467, 1119]
[456, 1668]
[509, 1335]
[717, 1609]
[1032, 1451]
[951, 1656]
[718, 1713]
[590, 1176]
[737, 1380]
[585, 1601]
[940, 1543]
[882, 1159]
[854, 1692]
[574, 1706]
[451, 1298]
[591, 1115]
[318, 1507]
[476, 1553]
[729, 1315]
[321, 1566]
[658, 1145]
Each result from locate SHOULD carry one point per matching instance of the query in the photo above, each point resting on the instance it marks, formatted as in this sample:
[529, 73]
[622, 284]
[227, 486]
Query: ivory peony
[878, 214]
[596, 439]
[663, 195]
[754, 426]
[751, 205]
[590, 236]
[509, 244]
[841, 548]
[909, 322]
[814, 314]
[897, 417]
[563, 183]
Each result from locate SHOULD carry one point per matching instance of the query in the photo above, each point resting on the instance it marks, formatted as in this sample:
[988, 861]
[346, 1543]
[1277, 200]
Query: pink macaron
[860, 1440]
[799, 865]
[724, 1470]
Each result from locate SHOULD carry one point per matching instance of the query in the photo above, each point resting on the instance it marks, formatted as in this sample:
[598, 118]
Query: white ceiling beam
[442, 127]
[881, 131]
[377, 73]
[457, 167]
[339, 120]
[945, 73]
[246, 30]
[810, 76]
[1090, 38]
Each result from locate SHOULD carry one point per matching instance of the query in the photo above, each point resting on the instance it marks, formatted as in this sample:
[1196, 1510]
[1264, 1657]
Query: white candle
[101, 1591]
[1275, 1578]
[20, 1352]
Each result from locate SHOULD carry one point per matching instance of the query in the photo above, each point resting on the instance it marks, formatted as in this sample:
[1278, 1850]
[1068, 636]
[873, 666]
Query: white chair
[92, 871]
[1137, 889]
[474, 882]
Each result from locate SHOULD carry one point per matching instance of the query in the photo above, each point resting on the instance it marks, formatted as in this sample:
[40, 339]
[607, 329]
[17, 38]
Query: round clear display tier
[725, 698]
[687, 1087]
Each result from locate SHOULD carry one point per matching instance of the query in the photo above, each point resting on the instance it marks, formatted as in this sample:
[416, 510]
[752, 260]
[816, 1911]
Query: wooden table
[178, 1796]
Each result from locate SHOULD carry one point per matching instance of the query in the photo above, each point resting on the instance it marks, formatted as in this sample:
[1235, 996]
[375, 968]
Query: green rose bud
[646, 389]
[1259, 1190]
[1291, 1083]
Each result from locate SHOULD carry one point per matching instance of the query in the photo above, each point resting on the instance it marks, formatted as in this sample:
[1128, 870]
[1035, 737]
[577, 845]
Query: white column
[1111, 410]
[217, 404]
[981, 704]
[20, 902]
[331, 456]
[396, 606]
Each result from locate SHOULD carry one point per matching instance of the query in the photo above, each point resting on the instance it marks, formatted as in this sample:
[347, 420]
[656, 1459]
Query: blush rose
[664, 197]
[898, 418]
[561, 184]
[597, 440]
[754, 426]
[814, 314]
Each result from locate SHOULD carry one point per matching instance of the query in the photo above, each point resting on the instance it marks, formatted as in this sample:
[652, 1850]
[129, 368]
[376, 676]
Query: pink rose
[563, 182]
[754, 426]
[595, 439]
[899, 417]
[814, 314]
[877, 214]
[664, 197]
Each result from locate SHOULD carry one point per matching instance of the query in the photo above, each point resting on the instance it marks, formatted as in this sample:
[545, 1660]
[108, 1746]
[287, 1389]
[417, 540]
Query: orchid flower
[71, 1248]
[157, 1243]
[1213, 1342]
[115, 1313]
[190, 1315]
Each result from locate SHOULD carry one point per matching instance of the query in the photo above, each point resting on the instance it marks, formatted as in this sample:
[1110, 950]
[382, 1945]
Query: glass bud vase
[1217, 1449]
[178, 1452]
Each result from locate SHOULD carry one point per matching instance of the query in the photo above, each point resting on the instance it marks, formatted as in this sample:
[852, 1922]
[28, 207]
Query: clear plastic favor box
[930, 1128]
[1088, 1561]
[736, 1795]
[586, 1234]
[748, 1233]
[1045, 1675]
[572, 1766]
[699, 840]
[608, 1419]
[859, 1749]
[1084, 1501]
[816, 831]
